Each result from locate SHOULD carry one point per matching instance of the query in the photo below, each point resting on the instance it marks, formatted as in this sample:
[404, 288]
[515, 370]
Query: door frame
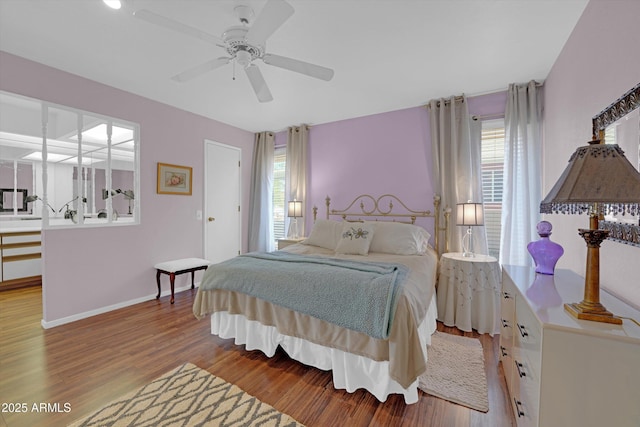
[205, 176]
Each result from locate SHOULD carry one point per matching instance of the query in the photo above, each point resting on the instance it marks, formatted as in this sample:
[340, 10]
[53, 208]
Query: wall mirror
[71, 167]
[619, 124]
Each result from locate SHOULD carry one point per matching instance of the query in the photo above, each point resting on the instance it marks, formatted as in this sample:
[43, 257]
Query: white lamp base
[294, 229]
[467, 244]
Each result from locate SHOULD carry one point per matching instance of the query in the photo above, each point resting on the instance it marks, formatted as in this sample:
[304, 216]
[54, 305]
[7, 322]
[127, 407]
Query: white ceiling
[387, 54]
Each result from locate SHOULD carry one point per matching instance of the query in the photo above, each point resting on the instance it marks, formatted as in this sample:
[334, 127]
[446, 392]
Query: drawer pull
[505, 323]
[504, 351]
[521, 372]
[519, 411]
[523, 330]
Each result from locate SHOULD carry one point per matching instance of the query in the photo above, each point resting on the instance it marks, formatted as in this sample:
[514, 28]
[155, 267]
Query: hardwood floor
[90, 362]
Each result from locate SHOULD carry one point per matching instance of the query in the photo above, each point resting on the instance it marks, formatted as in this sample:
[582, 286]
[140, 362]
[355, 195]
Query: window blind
[492, 160]
[279, 186]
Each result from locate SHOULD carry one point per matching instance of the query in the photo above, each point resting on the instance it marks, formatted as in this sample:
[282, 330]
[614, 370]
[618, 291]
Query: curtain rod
[488, 116]
[447, 101]
[473, 95]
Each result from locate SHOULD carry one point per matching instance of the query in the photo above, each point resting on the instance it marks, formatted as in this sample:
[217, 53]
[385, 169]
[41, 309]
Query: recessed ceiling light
[98, 134]
[113, 4]
[51, 157]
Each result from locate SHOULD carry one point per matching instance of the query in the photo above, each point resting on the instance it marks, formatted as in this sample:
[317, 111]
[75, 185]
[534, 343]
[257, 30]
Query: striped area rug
[187, 396]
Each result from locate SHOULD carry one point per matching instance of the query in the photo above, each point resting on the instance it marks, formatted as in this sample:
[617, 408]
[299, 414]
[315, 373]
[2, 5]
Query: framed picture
[174, 179]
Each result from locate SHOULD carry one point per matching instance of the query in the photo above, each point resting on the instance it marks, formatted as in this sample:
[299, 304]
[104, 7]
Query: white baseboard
[53, 323]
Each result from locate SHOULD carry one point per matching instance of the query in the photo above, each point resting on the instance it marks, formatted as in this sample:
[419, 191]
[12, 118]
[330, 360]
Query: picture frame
[174, 179]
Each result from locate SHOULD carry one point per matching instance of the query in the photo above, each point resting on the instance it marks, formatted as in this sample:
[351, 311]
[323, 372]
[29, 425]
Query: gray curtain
[522, 172]
[456, 171]
[261, 194]
[297, 143]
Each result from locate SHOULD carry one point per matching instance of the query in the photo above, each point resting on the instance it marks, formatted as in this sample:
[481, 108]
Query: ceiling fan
[244, 44]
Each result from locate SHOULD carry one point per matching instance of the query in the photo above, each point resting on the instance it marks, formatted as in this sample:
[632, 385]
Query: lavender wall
[379, 154]
[599, 63]
[92, 268]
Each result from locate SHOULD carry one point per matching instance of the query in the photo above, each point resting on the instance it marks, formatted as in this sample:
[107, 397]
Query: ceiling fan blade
[273, 15]
[163, 21]
[201, 69]
[258, 83]
[302, 67]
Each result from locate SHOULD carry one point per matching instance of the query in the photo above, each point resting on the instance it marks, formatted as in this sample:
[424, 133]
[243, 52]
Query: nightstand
[283, 243]
[468, 293]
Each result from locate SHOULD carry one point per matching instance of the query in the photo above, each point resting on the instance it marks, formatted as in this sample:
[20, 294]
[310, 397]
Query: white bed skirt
[350, 371]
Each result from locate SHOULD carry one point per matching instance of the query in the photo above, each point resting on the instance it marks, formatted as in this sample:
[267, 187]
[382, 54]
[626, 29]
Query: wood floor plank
[93, 361]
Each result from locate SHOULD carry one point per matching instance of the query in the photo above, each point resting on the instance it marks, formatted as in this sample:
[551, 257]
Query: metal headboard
[372, 208]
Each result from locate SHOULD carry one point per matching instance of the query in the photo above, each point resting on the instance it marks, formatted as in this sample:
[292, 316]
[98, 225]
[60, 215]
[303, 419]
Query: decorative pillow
[325, 234]
[399, 238]
[356, 238]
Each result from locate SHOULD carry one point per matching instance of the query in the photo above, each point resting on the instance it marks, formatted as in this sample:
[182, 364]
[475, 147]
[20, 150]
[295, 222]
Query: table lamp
[598, 179]
[295, 212]
[469, 214]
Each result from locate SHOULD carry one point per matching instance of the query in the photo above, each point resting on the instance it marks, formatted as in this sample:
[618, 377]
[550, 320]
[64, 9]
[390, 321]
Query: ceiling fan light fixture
[113, 4]
[243, 58]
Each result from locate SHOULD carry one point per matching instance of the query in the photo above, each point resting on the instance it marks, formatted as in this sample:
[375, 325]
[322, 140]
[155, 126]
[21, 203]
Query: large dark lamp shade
[598, 179]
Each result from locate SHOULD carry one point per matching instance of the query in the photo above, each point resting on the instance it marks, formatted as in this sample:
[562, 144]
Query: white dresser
[561, 371]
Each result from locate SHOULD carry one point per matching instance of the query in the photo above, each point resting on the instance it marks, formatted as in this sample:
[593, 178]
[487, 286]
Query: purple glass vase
[544, 252]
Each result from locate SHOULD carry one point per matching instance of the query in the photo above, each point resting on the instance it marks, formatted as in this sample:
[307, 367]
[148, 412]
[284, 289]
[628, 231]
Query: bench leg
[193, 273]
[172, 278]
[158, 281]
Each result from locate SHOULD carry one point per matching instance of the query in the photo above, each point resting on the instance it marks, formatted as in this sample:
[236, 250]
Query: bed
[356, 297]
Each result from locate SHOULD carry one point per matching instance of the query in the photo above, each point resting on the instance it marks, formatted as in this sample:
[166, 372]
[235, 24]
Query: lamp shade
[469, 214]
[598, 178]
[295, 209]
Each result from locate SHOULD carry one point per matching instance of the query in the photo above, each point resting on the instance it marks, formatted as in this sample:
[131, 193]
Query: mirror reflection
[619, 123]
[90, 165]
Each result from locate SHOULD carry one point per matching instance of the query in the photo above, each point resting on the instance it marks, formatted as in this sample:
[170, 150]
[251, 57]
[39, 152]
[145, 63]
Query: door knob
[211, 219]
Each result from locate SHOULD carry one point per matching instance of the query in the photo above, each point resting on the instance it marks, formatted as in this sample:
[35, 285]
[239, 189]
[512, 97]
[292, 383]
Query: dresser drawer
[20, 237]
[21, 268]
[20, 249]
[527, 335]
[525, 388]
[507, 321]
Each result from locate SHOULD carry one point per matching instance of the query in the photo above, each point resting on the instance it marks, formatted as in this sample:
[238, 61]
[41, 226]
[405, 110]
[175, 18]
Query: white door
[222, 220]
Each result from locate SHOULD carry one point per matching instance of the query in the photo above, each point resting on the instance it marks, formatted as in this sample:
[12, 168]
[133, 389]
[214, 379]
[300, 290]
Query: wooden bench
[179, 266]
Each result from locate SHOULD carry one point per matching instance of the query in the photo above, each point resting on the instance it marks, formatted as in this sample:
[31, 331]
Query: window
[492, 155]
[279, 189]
[67, 166]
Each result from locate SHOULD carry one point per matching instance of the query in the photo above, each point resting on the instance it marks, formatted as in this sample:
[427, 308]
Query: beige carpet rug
[455, 371]
[187, 396]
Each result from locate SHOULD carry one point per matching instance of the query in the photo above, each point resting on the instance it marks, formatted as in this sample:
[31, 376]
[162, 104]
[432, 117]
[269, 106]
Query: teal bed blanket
[361, 296]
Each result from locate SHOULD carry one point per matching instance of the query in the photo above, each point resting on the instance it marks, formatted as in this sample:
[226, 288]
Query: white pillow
[399, 238]
[356, 238]
[325, 234]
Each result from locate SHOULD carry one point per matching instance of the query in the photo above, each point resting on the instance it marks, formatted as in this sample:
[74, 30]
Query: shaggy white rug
[455, 371]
